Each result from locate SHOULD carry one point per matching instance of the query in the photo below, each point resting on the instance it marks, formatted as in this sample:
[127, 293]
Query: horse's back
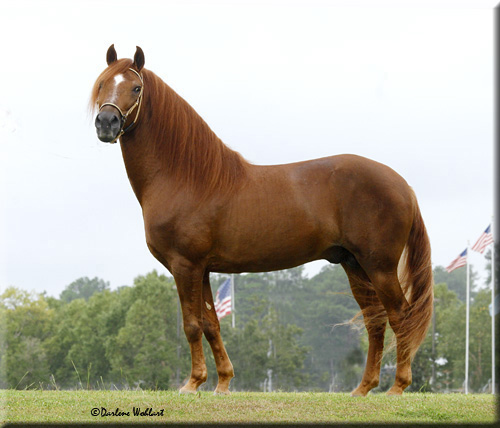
[361, 203]
[345, 184]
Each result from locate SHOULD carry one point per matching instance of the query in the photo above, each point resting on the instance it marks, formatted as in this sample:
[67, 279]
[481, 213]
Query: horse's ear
[111, 55]
[139, 58]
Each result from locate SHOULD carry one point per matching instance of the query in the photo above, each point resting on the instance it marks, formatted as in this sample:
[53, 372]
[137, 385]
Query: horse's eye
[137, 89]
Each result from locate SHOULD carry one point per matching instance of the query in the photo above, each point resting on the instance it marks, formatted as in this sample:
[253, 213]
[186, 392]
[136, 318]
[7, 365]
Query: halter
[130, 110]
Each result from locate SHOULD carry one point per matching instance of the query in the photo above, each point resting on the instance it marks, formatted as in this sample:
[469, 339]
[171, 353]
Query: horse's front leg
[211, 328]
[189, 280]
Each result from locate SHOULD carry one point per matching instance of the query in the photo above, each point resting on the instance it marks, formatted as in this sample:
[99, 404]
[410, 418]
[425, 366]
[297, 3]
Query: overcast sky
[411, 87]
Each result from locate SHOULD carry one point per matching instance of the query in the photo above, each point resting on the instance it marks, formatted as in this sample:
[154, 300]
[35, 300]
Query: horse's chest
[177, 235]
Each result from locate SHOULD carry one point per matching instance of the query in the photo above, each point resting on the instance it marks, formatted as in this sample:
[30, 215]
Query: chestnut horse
[206, 210]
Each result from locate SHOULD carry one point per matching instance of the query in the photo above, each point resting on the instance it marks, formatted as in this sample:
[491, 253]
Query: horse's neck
[178, 153]
[142, 166]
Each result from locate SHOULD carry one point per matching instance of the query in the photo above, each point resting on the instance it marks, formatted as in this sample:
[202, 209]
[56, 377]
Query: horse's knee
[211, 330]
[193, 331]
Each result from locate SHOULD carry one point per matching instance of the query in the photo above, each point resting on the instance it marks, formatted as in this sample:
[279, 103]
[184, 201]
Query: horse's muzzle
[108, 125]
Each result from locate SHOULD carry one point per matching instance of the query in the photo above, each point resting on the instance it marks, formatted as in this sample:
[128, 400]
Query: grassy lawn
[169, 406]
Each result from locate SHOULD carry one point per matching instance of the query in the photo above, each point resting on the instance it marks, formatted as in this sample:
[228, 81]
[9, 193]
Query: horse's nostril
[98, 121]
[106, 120]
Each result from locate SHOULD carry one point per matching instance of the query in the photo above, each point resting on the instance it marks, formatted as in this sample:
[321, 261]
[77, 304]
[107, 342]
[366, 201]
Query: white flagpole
[232, 301]
[467, 325]
[492, 310]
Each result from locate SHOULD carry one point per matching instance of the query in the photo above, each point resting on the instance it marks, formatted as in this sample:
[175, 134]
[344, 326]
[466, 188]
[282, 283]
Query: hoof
[222, 392]
[395, 391]
[364, 388]
[185, 390]
[358, 393]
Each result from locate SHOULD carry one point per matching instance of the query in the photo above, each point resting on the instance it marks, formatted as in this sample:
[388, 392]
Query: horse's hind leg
[388, 289]
[211, 329]
[375, 319]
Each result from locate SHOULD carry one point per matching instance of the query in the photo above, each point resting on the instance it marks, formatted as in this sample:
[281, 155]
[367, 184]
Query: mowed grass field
[169, 406]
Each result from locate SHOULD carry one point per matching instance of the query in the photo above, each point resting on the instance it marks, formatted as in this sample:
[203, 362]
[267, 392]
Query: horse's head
[116, 94]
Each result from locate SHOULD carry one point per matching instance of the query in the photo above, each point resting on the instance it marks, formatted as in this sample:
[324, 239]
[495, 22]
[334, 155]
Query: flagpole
[492, 310]
[232, 301]
[467, 325]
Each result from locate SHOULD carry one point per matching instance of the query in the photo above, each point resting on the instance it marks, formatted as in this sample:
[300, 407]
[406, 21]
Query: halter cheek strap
[123, 116]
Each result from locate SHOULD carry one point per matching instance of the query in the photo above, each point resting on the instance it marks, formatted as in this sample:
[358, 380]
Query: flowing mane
[190, 151]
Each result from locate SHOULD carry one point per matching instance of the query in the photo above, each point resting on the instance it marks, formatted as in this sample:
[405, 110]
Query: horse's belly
[262, 248]
[272, 262]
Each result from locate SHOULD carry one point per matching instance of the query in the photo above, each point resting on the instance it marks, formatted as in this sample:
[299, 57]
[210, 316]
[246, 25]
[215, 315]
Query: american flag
[484, 240]
[460, 261]
[223, 299]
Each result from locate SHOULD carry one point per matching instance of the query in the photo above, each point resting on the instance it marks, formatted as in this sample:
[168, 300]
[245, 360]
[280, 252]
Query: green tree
[83, 288]
[285, 356]
[456, 280]
[325, 306]
[81, 334]
[313, 313]
[65, 333]
[124, 336]
[247, 347]
[450, 338]
[450, 313]
[480, 341]
[26, 320]
[94, 330]
[144, 352]
[264, 325]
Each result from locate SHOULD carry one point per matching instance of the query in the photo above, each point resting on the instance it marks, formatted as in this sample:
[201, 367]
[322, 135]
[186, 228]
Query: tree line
[292, 333]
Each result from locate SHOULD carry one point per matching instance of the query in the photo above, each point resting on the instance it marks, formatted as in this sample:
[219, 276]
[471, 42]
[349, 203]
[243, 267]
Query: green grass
[76, 406]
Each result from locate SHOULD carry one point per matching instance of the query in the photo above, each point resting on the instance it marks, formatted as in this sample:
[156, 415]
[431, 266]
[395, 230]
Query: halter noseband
[130, 110]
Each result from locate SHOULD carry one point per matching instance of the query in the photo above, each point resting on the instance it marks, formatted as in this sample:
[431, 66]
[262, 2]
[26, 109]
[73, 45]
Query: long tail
[415, 276]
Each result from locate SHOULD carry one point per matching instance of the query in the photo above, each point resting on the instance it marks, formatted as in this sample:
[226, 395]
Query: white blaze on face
[118, 79]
